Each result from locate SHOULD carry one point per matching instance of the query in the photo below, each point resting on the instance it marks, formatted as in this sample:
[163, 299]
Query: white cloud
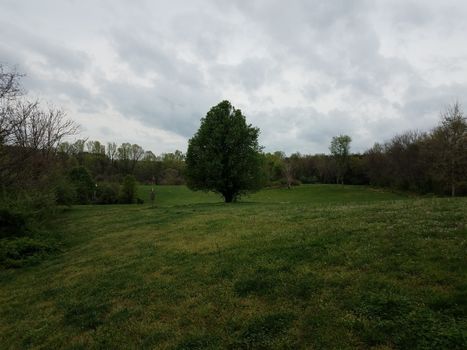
[303, 72]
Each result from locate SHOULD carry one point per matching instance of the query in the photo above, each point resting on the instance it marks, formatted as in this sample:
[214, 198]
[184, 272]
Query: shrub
[128, 190]
[65, 192]
[107, 193]
[84, 184]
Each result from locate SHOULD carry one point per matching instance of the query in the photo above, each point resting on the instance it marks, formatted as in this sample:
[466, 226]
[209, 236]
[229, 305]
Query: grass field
[318, 267]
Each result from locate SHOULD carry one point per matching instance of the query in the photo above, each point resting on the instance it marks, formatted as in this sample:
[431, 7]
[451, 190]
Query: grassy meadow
[314, 267]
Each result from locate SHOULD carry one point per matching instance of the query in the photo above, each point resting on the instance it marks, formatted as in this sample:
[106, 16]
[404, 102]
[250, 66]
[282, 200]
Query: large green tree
[224, 155]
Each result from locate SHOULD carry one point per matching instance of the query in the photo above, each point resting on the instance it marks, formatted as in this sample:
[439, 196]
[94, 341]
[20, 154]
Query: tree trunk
[453, 189]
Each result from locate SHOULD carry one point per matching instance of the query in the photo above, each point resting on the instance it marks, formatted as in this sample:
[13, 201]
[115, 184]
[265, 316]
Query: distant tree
[404, 161]
[149, 168]
[37, 129]
[149, 156]
[377, 165]
[340, 150]
[224, 155]
[10, 91]
[10, 87]
[112, 151]
[288, 171]
[95, 147]
[325, 168]
[136, 153]
[274, 166]
[78, 146]
[450, 147]
[65, 148]
[124, 154]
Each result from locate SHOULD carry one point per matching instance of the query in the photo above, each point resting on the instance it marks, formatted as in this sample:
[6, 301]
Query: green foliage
[224, 155]
[84, 184]
[340, 150]
[65, 192]
[107, 193]
[128, 190]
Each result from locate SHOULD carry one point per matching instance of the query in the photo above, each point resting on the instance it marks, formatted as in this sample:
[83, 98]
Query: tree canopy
[224, 155]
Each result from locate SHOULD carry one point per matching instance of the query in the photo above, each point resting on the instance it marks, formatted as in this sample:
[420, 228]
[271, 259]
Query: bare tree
[112, 151]
[95, 147]
[37, 129]
[10, 87]
[10, 90]
[78, 146]
[136, 153]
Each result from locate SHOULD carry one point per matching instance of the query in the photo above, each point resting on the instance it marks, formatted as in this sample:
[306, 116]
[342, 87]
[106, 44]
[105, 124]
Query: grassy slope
[314, 267]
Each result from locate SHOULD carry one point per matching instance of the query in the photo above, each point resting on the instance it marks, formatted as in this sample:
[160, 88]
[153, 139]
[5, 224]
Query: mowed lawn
[314, 267]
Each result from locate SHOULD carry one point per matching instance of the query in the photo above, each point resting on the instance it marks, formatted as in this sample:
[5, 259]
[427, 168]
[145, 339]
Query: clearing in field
[317, 266]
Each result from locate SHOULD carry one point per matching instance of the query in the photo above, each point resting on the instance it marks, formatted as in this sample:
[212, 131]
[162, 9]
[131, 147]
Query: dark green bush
[65, 192]
[107, 193]
[83, 183]
[128, 190]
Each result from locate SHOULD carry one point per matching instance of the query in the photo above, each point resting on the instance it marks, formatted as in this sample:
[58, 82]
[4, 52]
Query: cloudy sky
[302, 71]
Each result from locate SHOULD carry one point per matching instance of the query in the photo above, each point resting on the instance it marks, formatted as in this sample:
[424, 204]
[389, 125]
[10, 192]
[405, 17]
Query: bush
[83, 183]
[107, 193]
[65, 192]
[128, 190]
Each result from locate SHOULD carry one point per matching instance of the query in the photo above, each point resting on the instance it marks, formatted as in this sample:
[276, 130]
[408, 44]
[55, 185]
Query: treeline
[296, 169]
[111, 162]
[423, 162]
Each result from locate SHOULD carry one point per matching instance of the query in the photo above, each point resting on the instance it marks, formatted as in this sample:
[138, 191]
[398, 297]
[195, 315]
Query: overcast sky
[302, 71]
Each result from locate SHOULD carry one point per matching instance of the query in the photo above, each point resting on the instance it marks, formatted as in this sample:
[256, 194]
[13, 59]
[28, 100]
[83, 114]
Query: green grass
[319, 267]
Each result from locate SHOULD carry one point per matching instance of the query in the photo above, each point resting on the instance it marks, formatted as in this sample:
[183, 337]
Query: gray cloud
[302, 71]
